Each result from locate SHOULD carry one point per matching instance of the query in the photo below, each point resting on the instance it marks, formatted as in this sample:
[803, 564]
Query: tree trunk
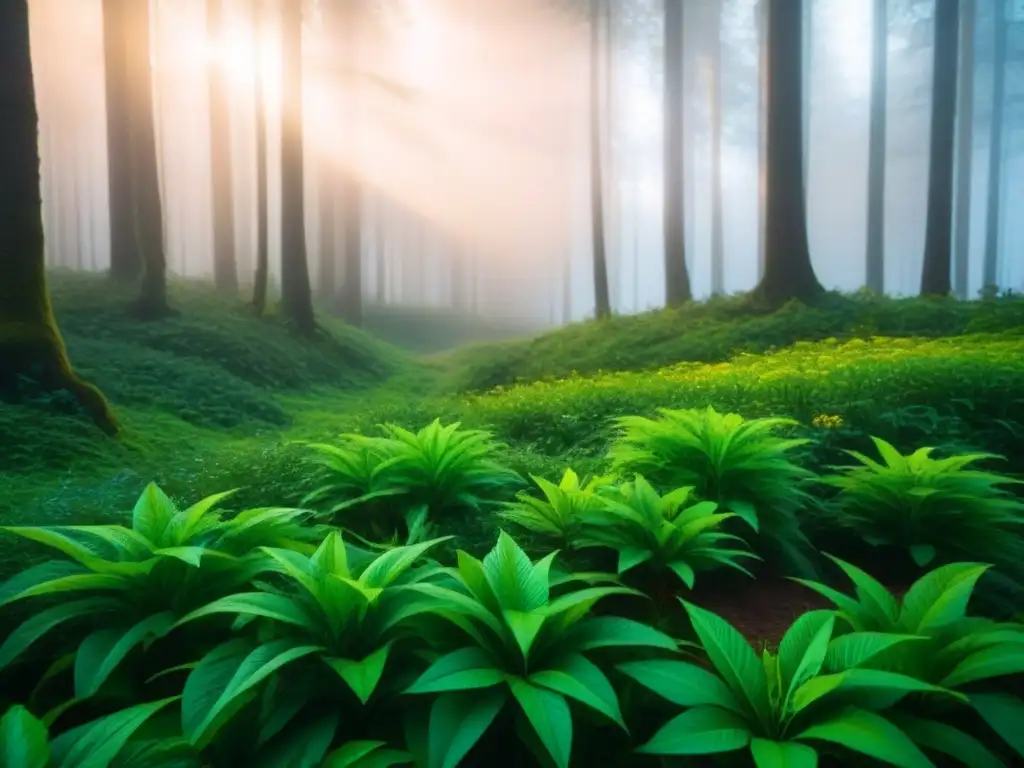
[874, 277]
[995, 149]
[964, 151]
[677, 279]
[762, 133]
[225, 271]
[327, 279]
[146, 206]
[125, 260]
[296, 297]
[602, 300]
[788, 272]
[31, 347]
[935, 274]
[352, 234]
[717, 230]
[259, 291]
[382, 263]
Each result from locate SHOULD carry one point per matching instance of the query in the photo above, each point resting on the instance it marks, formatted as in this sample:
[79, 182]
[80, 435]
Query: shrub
[560, 515]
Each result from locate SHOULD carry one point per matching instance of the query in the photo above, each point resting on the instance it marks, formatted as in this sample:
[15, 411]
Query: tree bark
[31, 347]
[296, 297]
[935, 274]
[225, 270]
[125, 260]
[990, 265]
[259, 291]
[677, 279]
[788, 272]
[964, 151]
[717, 229]
[602, 299]
[874, 277]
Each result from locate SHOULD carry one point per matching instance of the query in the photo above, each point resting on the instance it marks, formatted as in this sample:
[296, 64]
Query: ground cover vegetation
[553, 572]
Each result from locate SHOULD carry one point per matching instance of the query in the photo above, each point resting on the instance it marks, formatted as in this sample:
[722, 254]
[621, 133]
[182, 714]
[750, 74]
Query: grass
[215, 399]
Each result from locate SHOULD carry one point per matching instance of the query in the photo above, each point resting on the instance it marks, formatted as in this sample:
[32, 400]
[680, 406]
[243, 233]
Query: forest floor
[216, 398]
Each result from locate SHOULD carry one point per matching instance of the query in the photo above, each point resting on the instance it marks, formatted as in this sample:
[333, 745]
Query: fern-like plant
[929, 507]
[671, 532]
[560, 514]
[742, 465]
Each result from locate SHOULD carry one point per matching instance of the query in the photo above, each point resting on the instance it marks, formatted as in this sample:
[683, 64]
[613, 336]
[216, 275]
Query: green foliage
[780, 706]
[930, 507]
[560, 515]
[515, 639]
[739, 464]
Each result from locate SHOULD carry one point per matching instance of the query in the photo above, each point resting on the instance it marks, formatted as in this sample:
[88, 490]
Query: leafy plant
[124, 587]
[516, 640]
[927, 506]
[332, 614]
[814, 690]
[560, 514]
[740, 464]
[669, 531]
[954, 650]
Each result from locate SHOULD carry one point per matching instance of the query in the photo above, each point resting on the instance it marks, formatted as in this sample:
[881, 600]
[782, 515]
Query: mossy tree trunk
[31, 348]
[125, 260]
[296, 296]
[788, 272]
[225, 270]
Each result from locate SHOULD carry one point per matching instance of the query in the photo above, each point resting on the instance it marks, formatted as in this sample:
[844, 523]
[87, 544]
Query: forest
[558, 383]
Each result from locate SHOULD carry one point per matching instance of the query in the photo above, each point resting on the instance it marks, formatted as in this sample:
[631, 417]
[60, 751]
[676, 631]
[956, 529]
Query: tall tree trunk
[125, 260]
[352, 234]
[874, 277]
[30, 343]
[808, 79]
[717, 230]
[147, 212]
[382, 263]
[964, 151]
[935, 274]
[990, 264]
[788, 272]
[602, 299]
[225, 270]
[259, 291]
[677, 279]
[762, 132]
[296, 297]
[327, 279]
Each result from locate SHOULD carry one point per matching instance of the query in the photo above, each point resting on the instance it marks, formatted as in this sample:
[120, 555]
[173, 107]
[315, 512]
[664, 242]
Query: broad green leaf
[393, 563]
[782, 754]
[997, 661]
[617, 632]
[579, 678]
[153, 512]
[77, 550]
[852, 650]
[631, 557]
[84, 582]
[181, 527]
[940, 596]
[460, 670]
[96, 744]
[270, 606]
[548, 713]
[877, 599]
[869, 734]
[860, 680]
[684, 571]
[103, 650]
[922, 554]
[524, 626]
[944, 738]
[684, 684]
[509, 573]
[362, 676]
[699, 731]
[24, 742]
[803, 648]
[38, 625]
[732, 657]
[366, 754]
[1003, 713]
[458, 720]
[189, 555]
[303, 745]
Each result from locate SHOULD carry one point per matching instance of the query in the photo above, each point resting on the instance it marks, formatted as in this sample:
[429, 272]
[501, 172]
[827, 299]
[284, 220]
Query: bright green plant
[779, 706]
[930, 507]
[25, 741]
[666, 532]
[332, 614]
[740, 464]
[953, 650]
[516, 640]
[559, 515]
[124, 587]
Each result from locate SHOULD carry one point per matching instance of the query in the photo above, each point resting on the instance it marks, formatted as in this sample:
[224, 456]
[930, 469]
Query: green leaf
[103, 650]
[1003, 713]
[631, 557]
[803, 649]
[922, 554]
[940, 597]
[96, 744]
[684, 684]
[38, 625]
[524, 626]
[364, 675]
[303, 745]
[276, 607]
[732, 657]
[617, 632]
[870, 734]
[393, 563]
[458, 720]
[189, 555]
[860, 680]
[996, 661]
[548, 713]
[944, 738]
[461, 670]
[782, 754]
[83, 582]
[579, 678]
[699, 731]
[153, 512]
[366, 754]
[852, 650]
[24, 742]
[509, 573]
[684, 571]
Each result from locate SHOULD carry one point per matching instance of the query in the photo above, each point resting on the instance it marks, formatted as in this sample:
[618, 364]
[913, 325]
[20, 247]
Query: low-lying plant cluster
[294, 638]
